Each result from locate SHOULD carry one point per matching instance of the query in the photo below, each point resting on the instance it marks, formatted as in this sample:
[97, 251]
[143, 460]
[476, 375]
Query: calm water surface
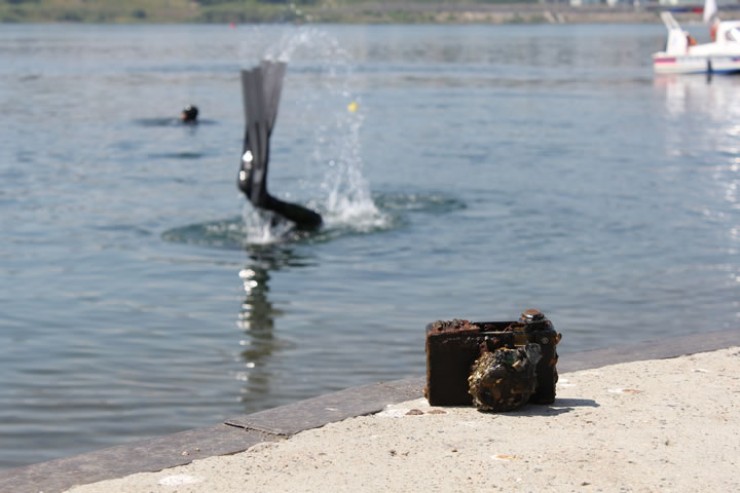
[486, 170]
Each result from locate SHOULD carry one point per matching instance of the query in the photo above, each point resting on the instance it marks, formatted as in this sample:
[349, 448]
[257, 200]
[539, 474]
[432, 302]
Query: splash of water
[346, 201]
[262, 227]
[348, 198]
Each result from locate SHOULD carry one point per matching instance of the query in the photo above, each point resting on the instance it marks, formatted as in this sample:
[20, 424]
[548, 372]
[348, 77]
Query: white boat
[683, 55]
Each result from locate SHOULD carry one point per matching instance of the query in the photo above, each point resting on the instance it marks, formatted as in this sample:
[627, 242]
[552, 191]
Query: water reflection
[702, 110]
[703, 135]
[715, 97]
[258, 314]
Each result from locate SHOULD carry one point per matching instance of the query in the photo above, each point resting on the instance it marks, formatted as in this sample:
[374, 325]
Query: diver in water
[189, 114]
[261, 87]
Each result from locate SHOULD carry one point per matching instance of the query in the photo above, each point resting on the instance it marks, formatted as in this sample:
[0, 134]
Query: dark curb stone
[148, 455]
[313, 413]
[662, 349]
[242, 432]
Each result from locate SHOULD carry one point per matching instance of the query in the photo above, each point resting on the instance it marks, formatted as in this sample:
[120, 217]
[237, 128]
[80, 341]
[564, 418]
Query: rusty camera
[497, 366]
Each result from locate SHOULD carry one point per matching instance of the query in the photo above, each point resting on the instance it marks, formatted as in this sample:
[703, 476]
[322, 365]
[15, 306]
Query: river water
[463, 171]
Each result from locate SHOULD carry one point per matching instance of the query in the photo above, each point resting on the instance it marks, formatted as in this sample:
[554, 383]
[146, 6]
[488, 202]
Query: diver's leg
[252, 179]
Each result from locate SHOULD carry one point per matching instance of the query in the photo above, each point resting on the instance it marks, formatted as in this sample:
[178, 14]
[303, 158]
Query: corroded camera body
[452, 348]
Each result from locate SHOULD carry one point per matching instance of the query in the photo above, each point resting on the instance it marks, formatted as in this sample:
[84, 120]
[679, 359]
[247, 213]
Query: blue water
[485, 170]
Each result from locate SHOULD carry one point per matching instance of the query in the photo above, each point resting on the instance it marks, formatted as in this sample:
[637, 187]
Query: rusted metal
[452, 347]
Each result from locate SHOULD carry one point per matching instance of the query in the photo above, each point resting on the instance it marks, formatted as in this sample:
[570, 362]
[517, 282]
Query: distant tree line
[285, 2]
[309, 11]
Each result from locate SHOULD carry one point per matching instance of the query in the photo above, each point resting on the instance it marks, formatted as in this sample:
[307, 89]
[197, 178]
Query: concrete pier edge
[242, 432]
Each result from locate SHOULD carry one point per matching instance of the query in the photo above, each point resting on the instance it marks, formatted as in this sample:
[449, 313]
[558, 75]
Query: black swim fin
[261, 89]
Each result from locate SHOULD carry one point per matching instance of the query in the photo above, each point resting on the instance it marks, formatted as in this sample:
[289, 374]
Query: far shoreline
[361, 13]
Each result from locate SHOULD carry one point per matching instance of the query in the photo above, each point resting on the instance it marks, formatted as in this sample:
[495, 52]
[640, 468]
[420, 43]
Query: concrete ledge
[242, 432]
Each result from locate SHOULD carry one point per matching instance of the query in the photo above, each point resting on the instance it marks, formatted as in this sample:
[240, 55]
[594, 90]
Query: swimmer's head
[189, 114]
